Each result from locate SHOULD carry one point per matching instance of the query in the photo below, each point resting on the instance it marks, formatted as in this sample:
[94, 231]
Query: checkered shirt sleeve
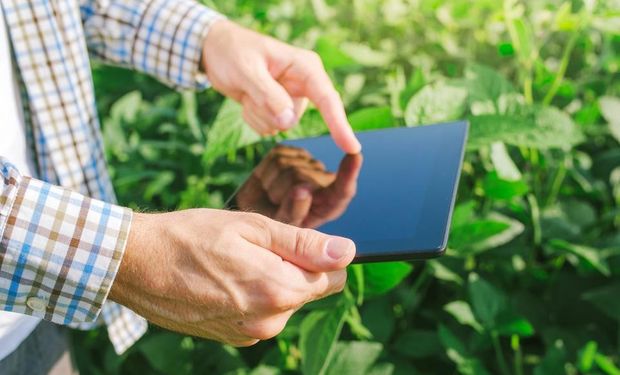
[163, 38]
[59, 250]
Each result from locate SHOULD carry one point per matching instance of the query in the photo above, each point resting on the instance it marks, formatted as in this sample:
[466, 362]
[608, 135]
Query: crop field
[530, 283]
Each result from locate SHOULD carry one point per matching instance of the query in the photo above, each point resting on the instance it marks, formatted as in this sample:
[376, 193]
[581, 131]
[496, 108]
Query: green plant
[531, 279]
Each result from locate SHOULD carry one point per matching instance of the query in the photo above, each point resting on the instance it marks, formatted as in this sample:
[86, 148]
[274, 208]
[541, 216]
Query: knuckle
[264, 329]
[349, 191]
[314, 58]
[281, 161]
[318, 164]
[306, 240]
[255, 221]
[276, 298]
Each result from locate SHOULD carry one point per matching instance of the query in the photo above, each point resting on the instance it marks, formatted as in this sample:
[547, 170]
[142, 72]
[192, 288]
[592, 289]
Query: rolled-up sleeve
[163, 38]
[59, 250]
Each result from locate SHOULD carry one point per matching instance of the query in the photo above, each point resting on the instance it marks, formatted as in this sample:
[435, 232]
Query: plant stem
[556, 185]
[528, 92]
[499, 355]
[518, 362]
[415, 297]
[535, 212]
[559, 75]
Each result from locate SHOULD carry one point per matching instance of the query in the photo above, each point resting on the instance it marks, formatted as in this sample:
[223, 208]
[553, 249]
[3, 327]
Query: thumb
[268, 92]
[307, 248]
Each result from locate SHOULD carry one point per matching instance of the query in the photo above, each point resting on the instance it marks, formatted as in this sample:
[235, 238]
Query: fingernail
[359, 145]
[286, 119]
[338, 247]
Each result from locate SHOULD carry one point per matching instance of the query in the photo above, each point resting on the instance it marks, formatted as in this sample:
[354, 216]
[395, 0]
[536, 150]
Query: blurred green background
[531, 280]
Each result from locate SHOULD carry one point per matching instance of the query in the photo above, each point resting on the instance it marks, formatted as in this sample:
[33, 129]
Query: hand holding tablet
[395, 202]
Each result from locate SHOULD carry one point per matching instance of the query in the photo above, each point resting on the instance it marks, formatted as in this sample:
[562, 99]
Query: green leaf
[554, 129]
[457, 352]
[378, 316]
[189, 114]
[418, 343]
[265, 370]
[606, 364]
[579, 212]
[463, 213]
[509, 324]
[474, 232]
[372, 118]
[485, 130]
[365, 55]
[166, 353]
[497, 188]
[356, 281]
[127, 107]
[484, 234]
[553, 362]
[228, 132]
[354, 321]
[609, 23]
[381, 369]
[610, 109]
[487, 89]
[606, 299]
[586, 356]
[331, 54]
[590, 255]
[502, 162]
[310, 125]
[524, 43]
[486, 300]
[436, 102]
[461, 311]
[124, 110]
[354, 357]
[383, 277]
[444, 273]
[158, 185]
[318, 334]
[450, 341]
[537, 127]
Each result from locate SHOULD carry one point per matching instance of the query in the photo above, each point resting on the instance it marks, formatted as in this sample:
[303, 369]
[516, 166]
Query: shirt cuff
[170, 39]
[59, 250]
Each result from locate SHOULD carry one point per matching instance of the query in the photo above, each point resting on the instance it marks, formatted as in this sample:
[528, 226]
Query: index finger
[320, 90]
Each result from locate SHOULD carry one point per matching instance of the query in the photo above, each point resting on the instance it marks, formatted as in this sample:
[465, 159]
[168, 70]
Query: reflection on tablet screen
[395, 197]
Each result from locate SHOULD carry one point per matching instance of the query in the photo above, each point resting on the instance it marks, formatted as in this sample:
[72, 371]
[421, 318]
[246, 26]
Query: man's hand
[229, 276]
[273, 80]
[290, 186]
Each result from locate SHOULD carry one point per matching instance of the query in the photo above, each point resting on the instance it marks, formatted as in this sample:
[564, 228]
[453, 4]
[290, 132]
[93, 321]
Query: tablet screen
[400, 204]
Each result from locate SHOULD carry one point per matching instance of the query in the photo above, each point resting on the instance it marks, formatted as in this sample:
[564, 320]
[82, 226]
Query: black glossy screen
[405, 189]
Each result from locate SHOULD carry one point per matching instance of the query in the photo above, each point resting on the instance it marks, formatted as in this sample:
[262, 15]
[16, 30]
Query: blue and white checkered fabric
[62, 238]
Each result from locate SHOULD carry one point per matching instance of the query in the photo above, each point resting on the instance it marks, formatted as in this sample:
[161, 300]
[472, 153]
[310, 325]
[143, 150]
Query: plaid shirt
[61, 236]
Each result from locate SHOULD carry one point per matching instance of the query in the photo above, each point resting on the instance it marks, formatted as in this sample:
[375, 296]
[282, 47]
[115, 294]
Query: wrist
[141, 226]
[210, 44]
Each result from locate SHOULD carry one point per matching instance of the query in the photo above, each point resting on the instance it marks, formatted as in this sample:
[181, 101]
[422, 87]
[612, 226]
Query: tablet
[405, 190]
